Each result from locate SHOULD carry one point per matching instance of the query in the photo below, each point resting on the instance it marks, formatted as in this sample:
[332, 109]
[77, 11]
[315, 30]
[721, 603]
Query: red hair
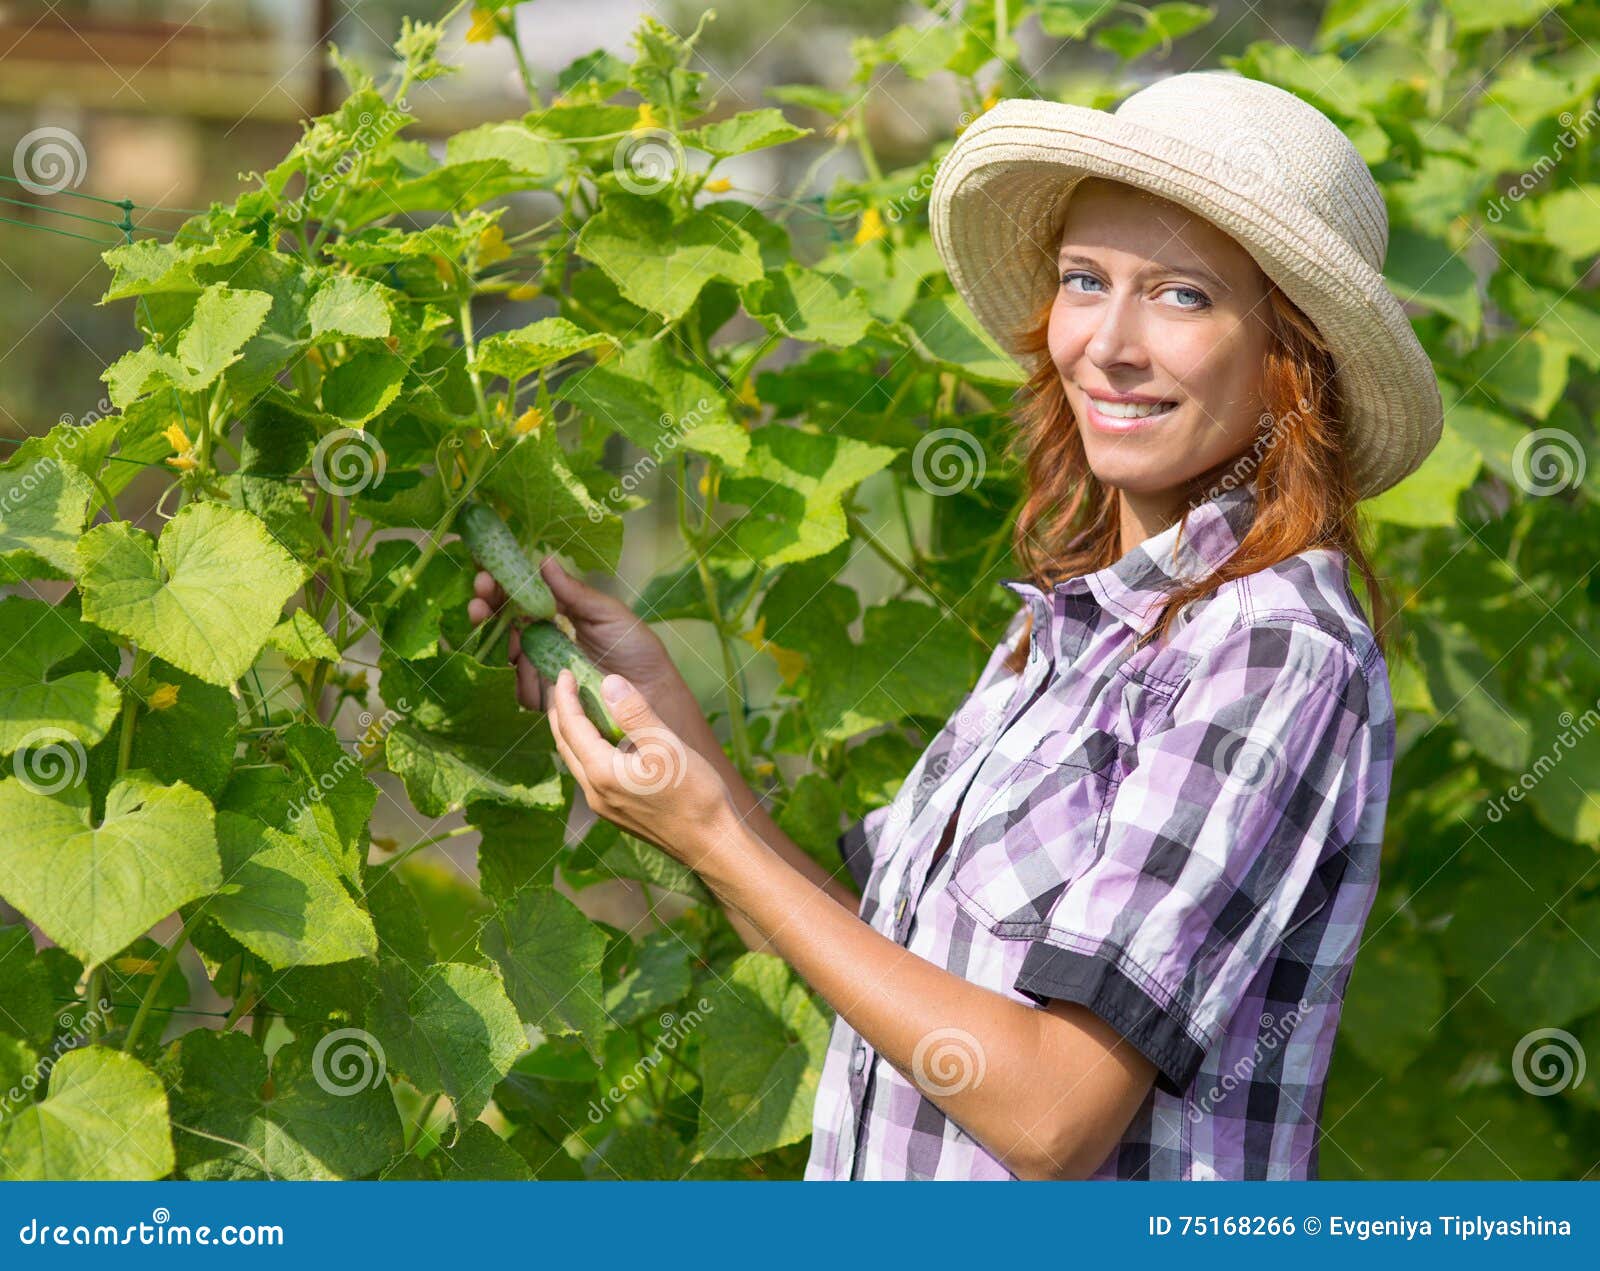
[1305, 496]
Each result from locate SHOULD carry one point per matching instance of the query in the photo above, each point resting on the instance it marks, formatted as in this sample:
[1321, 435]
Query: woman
[1108, 919]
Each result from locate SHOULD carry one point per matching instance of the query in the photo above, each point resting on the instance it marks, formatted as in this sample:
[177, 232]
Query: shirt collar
[1134, 588]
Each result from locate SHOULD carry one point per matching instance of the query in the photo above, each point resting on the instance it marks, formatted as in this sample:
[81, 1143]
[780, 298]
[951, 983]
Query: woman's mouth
[1126, 417]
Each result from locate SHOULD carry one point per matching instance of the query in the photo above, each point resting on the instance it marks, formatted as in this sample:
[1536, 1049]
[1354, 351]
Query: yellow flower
[790, 664]
[314, 356]
[718, 186]
[747, 394]
[164, 697]
[492, 246]
[184, 462]
[523, 291]
[485, 26]
[445, 270]
[871, 227]
[990, 98]
[529, 419]
[705, 483]
[647, 118]
[177, 438]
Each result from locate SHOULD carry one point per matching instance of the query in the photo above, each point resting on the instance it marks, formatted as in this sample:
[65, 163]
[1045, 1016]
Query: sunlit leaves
[205, 598]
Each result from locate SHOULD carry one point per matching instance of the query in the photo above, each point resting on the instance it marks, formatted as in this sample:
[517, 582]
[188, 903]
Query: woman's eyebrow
[1155, 267]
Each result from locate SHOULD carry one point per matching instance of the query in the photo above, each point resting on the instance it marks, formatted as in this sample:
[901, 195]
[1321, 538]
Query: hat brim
[995, 213]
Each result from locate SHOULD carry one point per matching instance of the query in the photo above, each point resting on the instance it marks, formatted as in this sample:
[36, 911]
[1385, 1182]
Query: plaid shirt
[1184, 839]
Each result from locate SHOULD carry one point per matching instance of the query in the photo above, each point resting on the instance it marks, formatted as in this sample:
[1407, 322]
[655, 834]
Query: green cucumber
[547, 647]
[497, 550]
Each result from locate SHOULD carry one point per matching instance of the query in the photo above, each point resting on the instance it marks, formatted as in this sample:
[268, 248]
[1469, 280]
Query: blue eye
[1076, 273]
[1204, 302]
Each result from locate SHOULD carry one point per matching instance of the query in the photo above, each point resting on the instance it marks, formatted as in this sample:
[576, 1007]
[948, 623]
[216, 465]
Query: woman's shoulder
[1305, 601]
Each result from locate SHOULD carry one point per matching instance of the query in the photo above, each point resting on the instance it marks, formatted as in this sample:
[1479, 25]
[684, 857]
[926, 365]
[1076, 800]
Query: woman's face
[1157, 303]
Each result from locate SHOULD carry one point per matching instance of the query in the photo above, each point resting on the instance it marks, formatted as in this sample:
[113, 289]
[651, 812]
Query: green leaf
[205, 600]
[551, 505]
[794, 481]
[1527, 371]
[807, 305]
[447, 1027]
[44, 695]
[479, 1155]
[105, 1119]
[761, 1050]
[363, 387]
[662, 262]
[299, 637]
[519, 353]
[1428, 496]
[659, 402]
[326, 1115]
[27, 1000]
[657, 975]
[284, 902]
[349, 307]
[746, 131]
[1427, 271]
[1468, 690]
[463, 736]
[223, 321]
[1395, 1000]
[1161, 25]
[1571, 220]
[942, 330]
[192, 740]
[93, 888]
[42, 509]
[550, 955]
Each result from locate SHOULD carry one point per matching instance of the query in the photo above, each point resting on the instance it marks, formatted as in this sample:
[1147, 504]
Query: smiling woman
[1107, 921]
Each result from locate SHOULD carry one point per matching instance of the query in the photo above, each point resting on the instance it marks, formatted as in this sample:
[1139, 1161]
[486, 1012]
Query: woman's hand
[612, 635]
[655, 786]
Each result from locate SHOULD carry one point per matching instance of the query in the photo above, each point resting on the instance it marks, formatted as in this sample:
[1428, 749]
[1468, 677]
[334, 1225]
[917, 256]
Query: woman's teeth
[1131, 410]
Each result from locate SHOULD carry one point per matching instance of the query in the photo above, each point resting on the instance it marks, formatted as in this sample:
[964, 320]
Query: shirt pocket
[1040, 826]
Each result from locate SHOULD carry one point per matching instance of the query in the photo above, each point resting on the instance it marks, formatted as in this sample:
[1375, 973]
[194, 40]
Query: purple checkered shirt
[1184, 839]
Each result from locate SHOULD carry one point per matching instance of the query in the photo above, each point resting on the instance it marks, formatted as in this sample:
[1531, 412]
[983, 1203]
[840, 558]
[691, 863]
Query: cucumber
[497, 550]
[547, 647]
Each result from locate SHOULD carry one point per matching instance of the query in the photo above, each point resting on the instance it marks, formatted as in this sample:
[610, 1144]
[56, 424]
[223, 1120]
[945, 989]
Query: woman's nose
[1118, 339]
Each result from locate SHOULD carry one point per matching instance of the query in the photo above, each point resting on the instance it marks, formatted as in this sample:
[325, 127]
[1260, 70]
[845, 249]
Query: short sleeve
[1210, 852]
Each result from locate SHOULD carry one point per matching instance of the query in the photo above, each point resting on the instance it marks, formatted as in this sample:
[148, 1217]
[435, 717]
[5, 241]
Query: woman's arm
[1047, 1091]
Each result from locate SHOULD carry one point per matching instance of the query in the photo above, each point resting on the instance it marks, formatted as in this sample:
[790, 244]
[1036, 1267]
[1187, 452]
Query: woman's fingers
[578, 600]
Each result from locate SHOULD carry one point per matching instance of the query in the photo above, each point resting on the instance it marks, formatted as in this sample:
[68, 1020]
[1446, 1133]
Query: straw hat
[1271, 170]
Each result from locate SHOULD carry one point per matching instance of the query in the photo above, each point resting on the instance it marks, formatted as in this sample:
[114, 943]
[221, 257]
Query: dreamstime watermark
[1548, 461]
[1546, 163]
[375, 728]
[49, 160]
[371, 132]
[1547, 1061]
[1275, 1031]
[653, 760]
[1543, 765]
[159, 1230]
[676, 1027]
[348, 461]
[348, 1061]
[947, 461]
[20, 1095]
[673, 428]
[647, 160]
[948, 1061]
[49, 759]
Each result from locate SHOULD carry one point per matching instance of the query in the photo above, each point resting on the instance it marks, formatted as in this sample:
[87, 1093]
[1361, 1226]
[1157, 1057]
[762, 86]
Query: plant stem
[421, 1126]
[133, 695]
[169, 959]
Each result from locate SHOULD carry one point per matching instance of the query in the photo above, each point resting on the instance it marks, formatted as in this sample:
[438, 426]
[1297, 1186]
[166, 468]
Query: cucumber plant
[212, 719]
